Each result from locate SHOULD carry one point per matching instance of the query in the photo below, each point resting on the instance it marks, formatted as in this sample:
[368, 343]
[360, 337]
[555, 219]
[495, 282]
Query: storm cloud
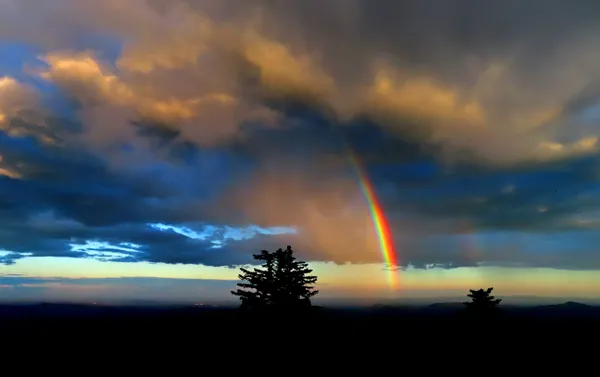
[199, 132]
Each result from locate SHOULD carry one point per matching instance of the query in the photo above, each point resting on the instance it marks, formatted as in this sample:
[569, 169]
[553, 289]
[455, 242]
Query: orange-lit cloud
[15, 98]
[333, 217]
[182, 63]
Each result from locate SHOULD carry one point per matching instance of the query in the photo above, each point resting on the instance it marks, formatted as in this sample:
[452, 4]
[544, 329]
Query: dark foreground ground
[352, 341]
[380, 337]
[94, 340]
[108, 322]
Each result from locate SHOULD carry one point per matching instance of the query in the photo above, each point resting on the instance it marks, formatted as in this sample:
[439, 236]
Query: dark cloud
[508, 199]
[440, 35]
[67, 196]
[70, 197]
[466, 116]
[512, 248]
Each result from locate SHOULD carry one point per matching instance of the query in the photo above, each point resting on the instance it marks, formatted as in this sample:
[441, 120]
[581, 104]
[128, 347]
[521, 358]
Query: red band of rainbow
[382, 227]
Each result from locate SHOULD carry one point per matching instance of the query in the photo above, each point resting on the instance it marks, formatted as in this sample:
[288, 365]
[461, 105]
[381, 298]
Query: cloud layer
[181, 131]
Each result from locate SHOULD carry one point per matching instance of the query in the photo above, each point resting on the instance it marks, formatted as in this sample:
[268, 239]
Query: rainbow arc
[382, 227]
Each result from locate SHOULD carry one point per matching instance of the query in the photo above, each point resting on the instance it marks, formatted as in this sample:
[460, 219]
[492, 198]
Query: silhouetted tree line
[282, 282]
[482, 304]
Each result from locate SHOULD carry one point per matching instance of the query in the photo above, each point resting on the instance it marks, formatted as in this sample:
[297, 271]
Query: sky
[149, 147]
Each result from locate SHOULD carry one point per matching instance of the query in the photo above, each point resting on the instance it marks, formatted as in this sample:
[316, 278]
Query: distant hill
[568, 309]
[446, 306]
[53, 310]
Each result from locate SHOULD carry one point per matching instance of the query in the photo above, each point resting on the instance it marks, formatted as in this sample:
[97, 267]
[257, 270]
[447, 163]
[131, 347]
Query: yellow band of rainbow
[382, 227]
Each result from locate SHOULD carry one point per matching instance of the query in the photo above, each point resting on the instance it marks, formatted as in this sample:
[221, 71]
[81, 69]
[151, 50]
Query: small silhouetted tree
[482, 303]
[281, 282]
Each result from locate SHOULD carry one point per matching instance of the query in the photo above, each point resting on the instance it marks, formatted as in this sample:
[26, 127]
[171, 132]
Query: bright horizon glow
[367, 283]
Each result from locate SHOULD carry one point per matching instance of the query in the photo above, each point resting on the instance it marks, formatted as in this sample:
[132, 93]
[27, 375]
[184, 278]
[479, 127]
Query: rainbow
[382, 227]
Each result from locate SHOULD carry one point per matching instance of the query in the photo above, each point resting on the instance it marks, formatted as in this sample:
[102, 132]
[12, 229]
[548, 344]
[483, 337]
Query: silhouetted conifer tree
[482, 303]
[282, 282]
